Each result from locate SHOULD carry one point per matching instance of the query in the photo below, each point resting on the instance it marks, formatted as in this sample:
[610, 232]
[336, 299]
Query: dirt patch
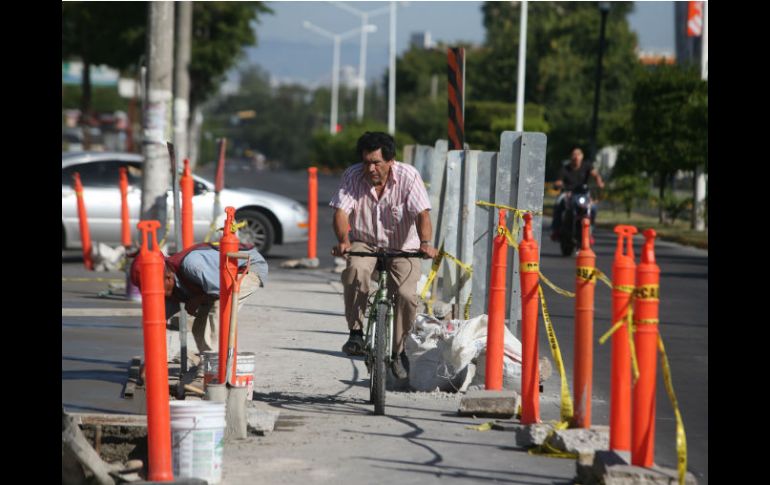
[119, 443]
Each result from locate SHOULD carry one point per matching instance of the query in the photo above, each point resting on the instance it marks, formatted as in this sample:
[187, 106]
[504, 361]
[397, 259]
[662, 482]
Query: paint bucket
[246, 364]
[197, 437]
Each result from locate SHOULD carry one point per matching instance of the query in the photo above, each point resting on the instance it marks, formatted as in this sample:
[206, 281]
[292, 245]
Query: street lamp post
[604, 8]
[337, 38]
[365, 16]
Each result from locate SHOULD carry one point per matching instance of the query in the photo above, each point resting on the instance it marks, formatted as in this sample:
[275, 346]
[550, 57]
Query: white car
[271, 218]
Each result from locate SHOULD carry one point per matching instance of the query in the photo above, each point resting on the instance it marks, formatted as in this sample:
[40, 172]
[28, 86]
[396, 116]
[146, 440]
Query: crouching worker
[192, 277]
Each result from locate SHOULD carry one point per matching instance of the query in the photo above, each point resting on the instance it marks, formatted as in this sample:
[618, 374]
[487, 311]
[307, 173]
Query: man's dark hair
[372, 141]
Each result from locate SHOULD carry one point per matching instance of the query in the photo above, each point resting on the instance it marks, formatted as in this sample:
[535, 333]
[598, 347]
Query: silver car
[270, 218]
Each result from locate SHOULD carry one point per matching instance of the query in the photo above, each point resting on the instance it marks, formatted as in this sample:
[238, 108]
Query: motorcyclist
[571, 176]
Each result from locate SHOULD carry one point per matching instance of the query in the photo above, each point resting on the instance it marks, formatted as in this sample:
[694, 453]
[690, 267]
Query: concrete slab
[261, 418]
[613, 468]
[581, 441]
[489, 403]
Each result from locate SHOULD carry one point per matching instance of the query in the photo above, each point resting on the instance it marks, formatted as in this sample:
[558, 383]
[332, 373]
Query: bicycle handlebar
[388, 254]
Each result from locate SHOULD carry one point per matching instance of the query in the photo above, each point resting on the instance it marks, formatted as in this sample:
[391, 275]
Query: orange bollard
[493, 380]
[529, 276]
[646, 344]
[312, 209]
[585, 284]
[623, 280]
[125, 224]
[85, 235]
[227, 267]
[186, 186]
[156, 368]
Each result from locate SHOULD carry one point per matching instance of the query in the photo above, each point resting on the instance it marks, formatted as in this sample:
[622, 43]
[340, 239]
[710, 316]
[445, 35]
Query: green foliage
[672, 206]
[669, 123]
[109, 33]
[339, 150]
[486, 120]
[104, 99]
[562, 49]
[220, 31]
[627, 190]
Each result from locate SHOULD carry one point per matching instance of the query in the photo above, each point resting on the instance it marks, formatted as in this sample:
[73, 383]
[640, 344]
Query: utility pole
[156, 176]
[392, 72]
[365, 16]
[183, 31]
[522, 67]
[337, 38]
[699, 207]
[604, 8]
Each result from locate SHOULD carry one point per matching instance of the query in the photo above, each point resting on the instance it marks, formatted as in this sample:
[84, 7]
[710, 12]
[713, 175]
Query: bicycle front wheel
[379, 367]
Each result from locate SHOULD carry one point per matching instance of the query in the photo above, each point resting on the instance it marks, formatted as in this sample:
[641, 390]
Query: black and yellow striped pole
[456, 94]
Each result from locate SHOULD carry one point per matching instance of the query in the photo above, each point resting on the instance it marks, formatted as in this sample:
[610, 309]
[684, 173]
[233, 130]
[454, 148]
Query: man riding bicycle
[381, 204]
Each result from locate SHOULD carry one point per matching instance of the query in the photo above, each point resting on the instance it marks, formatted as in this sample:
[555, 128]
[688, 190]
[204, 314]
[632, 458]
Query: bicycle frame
[381, 296]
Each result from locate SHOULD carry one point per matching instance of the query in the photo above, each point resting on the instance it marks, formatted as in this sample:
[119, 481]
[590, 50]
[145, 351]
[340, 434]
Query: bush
[627, 190]
[339, 151]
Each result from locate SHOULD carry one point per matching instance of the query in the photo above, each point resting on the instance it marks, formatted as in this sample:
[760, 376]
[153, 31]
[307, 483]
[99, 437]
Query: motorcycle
[577, 206]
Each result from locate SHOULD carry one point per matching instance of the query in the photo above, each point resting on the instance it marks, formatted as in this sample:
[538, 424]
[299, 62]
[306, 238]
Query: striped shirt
[390, 221]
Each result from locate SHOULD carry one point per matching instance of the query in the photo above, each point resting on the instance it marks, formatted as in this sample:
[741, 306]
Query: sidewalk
[326, 431]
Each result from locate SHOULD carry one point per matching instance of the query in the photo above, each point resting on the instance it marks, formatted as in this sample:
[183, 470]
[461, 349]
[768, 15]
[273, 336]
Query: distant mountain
[311, 63]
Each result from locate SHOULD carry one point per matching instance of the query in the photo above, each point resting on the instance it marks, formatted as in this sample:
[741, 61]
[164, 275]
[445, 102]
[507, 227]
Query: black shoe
[398, 367]
[355, 344]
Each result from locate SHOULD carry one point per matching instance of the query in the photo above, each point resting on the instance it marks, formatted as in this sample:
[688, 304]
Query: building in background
[421, 40]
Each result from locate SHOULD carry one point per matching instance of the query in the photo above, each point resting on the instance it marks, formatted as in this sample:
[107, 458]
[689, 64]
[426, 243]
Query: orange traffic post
[125, 224]
[312, 209]
[623, 281]
[85, 234]
[646, 345]
[186, 185]
[156, 369]
[529, 275]
[227, 267]
[493, 380]
[585, 284]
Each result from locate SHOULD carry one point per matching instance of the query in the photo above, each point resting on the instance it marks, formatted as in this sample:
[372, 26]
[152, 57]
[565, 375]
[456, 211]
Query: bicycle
[378, 338]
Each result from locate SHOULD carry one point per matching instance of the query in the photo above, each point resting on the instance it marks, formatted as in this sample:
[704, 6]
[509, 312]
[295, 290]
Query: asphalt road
[96, 350]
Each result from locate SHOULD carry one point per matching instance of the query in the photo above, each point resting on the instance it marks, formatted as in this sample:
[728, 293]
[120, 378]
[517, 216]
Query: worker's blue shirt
[201, 267]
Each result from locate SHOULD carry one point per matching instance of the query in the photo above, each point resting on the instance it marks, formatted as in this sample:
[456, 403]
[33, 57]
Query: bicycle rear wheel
[379, 367]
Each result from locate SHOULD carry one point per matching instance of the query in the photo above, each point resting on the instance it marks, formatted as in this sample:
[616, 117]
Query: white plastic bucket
[245, 366]
[197, 439]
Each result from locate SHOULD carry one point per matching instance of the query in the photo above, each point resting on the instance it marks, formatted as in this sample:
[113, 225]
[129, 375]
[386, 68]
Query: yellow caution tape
[433, 270]
[647, 321]
[482, 427]
[467, 312]
[465, 267]
[506, 207]
[510, 237]
[628, 320]
[546, 449]
[647, 292]
[212, 230]
[631, 346]
[681, 439]
[603, 278]
[555, 288]
[237, 225]
[625, 288]
[529, 267]
[566, 399]
[587, 273]
[101, 280]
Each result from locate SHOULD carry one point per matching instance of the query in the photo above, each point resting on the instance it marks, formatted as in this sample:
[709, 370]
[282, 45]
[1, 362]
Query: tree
[109, 33]
[669, 124]
[562, 48]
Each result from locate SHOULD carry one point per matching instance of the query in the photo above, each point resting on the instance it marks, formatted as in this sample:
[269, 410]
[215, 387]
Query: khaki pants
[404, 273]
[206, 323]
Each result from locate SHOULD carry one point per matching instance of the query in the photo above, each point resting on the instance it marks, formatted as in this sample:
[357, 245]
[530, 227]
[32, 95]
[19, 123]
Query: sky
[292, 53]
